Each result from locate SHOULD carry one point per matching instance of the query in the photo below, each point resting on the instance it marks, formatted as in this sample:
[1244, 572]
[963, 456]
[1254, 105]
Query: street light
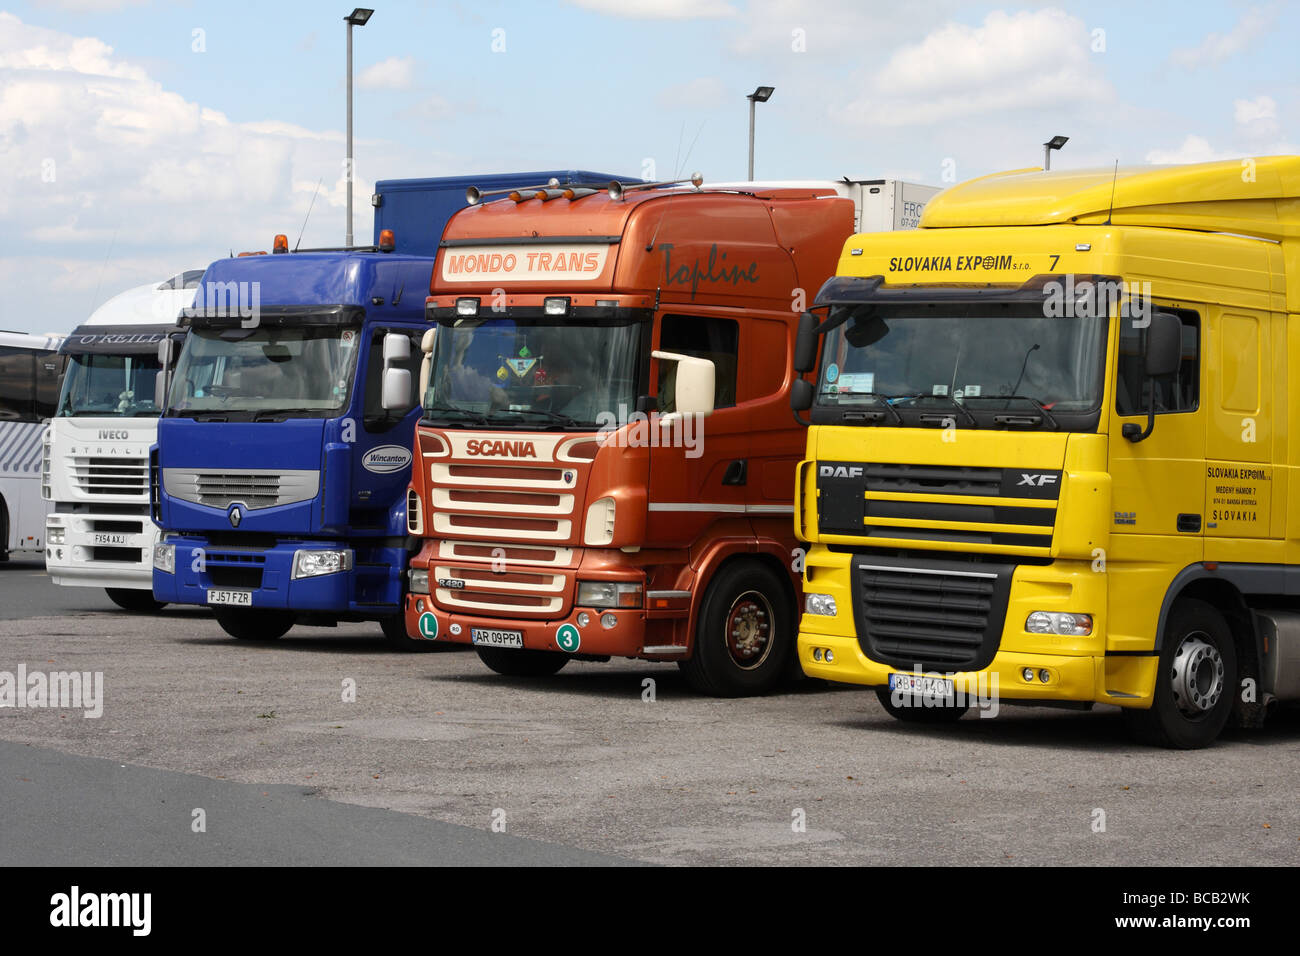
[760, 95]
[1056, 142]
[357, 18]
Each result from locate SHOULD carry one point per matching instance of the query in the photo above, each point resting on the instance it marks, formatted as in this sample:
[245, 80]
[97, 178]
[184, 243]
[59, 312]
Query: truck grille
[111, 476]
[252, 487]
[519, 502]
[512, 579]
[934, 616]
[898, 501]
[235, 569]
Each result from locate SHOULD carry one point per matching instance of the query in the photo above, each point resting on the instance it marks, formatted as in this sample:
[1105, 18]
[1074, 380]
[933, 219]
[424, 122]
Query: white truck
[29, 387]
[96, 457]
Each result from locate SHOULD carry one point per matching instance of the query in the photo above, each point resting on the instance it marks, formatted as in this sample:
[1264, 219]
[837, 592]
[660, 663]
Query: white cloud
[1011, 61]
[1217, 47]
[1193, 149]
[659, 9]
[393, 73]
[1256, 118]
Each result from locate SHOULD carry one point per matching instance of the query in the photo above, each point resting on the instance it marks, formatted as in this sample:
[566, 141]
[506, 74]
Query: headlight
[819, 604]
[609, 594]
[419, 581]
[310, 564]
[164, 557]
[55, 535]
[1059, 622]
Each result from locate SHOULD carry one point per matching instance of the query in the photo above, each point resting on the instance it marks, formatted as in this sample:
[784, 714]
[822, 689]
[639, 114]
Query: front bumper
[200, 567]
[79, 559]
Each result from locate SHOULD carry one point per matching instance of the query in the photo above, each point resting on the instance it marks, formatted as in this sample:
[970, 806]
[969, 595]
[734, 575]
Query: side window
[377, 418]
[712, 338]
[17, 385]
[1179, 392]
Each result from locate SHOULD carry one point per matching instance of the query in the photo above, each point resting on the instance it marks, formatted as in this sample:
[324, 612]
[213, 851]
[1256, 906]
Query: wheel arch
[725, 557]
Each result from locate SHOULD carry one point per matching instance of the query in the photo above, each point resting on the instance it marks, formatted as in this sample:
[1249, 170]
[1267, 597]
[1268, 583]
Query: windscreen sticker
[859, 382]
[832, 372]
[939, 390]
[971, 390]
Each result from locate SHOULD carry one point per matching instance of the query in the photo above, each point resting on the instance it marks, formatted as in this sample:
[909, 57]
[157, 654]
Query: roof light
[556, 305]
[281, 244]
[468, 306]
[386, 241]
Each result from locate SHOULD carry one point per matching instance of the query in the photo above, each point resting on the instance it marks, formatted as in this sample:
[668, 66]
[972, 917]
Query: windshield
[305, 370]
[982, 357]
[109, 386]
[518, 372]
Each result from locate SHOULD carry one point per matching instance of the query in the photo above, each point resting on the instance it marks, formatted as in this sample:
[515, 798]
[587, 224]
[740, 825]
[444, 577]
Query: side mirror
[805, 344]
[695, 382]
[1164, 345]
[426, 343]
[426, 346]
[160, 391]
[397, 348]
[801, 395]
[166, 351]
[396, 393]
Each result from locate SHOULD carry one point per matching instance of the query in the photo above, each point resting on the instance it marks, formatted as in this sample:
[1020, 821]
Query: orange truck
[605, 463]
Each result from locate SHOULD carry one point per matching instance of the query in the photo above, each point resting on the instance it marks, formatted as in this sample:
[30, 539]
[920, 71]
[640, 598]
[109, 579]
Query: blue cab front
[279, 475]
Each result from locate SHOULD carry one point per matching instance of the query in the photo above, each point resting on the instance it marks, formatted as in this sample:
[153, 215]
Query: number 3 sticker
[568, 638]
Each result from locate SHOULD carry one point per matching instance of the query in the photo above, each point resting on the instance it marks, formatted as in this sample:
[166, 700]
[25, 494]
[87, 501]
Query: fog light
[830, 656]
[817, 653]
[1028, 674]
[608, 620]
[310, 564]
[419, 606]
[55, 535]
[164, 558]
[819, 604]
[1045, 676]
[1059, 622]
[555, 305]
[583, 619]
[467, 306]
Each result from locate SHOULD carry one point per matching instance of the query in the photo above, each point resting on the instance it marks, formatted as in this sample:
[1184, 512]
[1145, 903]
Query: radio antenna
[308, 216]
[1111, 211]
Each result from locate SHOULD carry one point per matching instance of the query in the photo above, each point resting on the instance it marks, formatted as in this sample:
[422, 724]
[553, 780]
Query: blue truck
[280, 472]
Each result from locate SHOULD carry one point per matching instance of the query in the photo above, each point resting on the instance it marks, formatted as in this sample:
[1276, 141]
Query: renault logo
[235, 516]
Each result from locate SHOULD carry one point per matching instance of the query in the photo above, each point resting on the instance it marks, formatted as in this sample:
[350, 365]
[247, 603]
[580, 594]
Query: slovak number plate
[101, 538]
[917, 685]
[490, 638]
[237, 598]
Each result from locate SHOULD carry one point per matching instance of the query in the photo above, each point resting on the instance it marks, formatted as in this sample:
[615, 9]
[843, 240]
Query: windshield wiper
[1023, 398]
[443, 411]
[947, 398]
[281, 414]
[558, 417]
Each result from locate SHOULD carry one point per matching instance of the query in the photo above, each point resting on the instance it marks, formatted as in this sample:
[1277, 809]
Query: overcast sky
[138, 139]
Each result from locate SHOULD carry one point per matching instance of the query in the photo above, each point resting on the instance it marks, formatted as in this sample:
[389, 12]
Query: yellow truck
[1050, 449]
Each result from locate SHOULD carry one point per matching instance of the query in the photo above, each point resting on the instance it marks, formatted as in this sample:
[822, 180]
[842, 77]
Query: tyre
[1196, 680]
[394, 628]
[254, 625]
[918, 713]
[522, 663]
[134, 599]
[744, 638]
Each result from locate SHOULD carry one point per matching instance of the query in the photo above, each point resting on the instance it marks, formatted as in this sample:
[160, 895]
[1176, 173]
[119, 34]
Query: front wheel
[912, 709]
[134, 599]
[745, 636]
[1195, 681]
[254, 625]
[394, 628]
[510, 662]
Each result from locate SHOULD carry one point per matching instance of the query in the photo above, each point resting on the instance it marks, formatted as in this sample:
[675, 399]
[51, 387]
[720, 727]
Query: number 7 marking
[1055, 260]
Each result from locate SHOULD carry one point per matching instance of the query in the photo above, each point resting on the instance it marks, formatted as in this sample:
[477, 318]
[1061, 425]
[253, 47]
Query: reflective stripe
[727, 509]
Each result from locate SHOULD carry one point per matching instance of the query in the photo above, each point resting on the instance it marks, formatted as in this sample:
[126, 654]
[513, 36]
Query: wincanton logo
[386, 459]
[500, 449]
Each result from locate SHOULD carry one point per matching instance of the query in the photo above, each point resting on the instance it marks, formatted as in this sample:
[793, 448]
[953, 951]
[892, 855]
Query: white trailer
[99, 532]
[879, 205]
[29, 386]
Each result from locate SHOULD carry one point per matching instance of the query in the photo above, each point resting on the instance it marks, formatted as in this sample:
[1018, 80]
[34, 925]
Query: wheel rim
[749, 630]
[1197, 675]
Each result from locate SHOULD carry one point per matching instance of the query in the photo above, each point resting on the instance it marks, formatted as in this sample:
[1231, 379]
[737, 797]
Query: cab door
[699, 473]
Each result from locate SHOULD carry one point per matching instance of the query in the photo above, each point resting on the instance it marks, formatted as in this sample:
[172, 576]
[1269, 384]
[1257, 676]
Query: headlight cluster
[164, 557]
[819, 604]
[310, 564]
[1059, 622]
[609, 594]
[419, 581]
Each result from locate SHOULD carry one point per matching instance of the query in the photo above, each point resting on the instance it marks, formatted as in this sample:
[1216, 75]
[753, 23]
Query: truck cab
[606, 451]
[97, 447]
[279, 477]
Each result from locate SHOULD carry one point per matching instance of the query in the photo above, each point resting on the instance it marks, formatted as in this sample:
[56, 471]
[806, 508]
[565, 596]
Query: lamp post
[760, 95]
[357, 18]
[1056, 142]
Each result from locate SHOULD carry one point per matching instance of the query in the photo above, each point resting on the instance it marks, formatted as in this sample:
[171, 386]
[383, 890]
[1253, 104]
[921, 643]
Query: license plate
[491, 638]
[919, 686]
[101, 538]
[237, 598]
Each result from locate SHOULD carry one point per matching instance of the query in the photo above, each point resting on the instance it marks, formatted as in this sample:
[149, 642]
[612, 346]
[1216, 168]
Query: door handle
[737, 472]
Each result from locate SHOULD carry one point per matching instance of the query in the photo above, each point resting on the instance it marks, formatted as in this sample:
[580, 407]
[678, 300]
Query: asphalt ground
[442, 761]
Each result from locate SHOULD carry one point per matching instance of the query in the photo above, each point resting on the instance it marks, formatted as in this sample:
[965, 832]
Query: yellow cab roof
[1252, 197]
